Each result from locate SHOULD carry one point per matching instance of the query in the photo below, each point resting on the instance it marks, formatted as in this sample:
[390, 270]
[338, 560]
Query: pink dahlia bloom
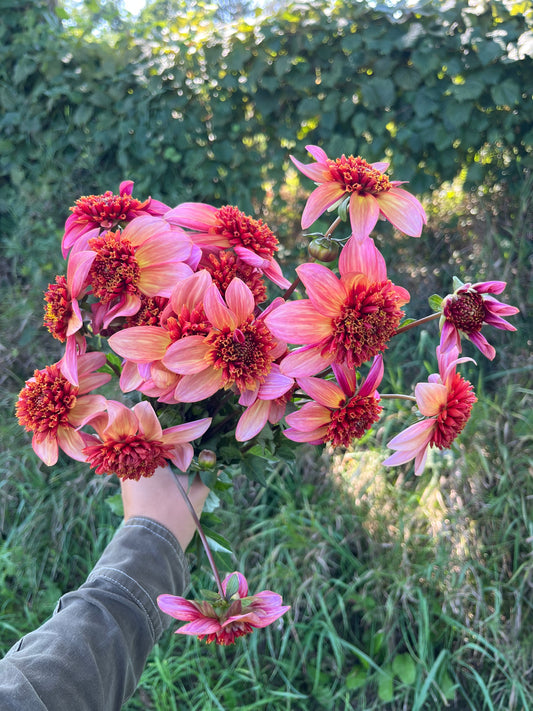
[224, 619]
[446, 402]
[238, 350]
[371, 194]
[347, 320]
[106, 212]
[131, 443]
[468, 309]
[337, 413]
[228, 227]
[54, 409]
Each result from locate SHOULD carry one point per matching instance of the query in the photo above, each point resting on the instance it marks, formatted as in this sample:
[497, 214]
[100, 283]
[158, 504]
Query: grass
[406, 593]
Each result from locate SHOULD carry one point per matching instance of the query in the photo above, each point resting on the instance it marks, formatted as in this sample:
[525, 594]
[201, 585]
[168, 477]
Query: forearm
[91, 653]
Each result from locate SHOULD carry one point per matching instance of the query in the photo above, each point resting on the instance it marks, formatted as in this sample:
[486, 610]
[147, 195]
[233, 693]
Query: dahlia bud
[323, 249]
[207, 459]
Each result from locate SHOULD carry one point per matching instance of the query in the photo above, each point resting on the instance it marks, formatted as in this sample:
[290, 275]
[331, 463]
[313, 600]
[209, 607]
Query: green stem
[420, 322]
[201, 534]
[397, 396]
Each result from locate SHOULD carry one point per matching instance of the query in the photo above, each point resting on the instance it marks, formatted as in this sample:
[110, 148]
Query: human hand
[158, 497]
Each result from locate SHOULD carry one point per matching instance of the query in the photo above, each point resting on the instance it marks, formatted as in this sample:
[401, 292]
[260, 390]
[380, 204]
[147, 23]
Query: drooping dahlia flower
[223, 619]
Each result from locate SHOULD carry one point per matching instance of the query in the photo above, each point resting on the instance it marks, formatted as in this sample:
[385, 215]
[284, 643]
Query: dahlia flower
[337, 413]
[106, 211]
[468, 309]
[223, 619]
[371, 193]
[54, 409]
[347, 320]
[251, 240]
[446, 402]
[132, 444]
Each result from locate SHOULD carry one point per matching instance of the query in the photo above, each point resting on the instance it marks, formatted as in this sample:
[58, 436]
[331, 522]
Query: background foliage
[406, 593]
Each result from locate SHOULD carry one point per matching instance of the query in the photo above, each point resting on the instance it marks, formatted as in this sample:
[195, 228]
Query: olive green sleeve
[90, 654]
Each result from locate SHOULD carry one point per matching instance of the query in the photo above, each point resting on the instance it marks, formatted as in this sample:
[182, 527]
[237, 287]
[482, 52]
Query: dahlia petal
[248, 397]
[275, 384]
[325, 392]
[317, 172]
[128, 305]
[364, 214]
[498, 308]
[414, 437]
[489, 287]
[178, 607]
[449, 337]
[206, 625]
[318, 202]
[313, 437]
[126, 187]
[402, 210]
[324, 289]
[216, 310]
[122, 421]
[252, 420]
[76, 320]
[250, 257]
[186, 432]
[69, 363]
[298, 322]
[46, 449]
[274, 273]
[160, 279]
[130, 377]
[181, 456]
[346, 377]
[479, 340]
[191, 290]
[193, 388]
[193, 215]
[277, 411]
[86, 409]
[374, 377]
[240, 299]
[400, 457]
[164, 248]
[78, 268]
[430, 398]
[381, 166]
[71, 442]
[319, 154]
[403, 295]
[420, 460]
[305, 362]
[309, 417]
[141, 344]
[91, 381]
[493, 320]
[90, 361]
[149, 425]
[362, 255]
[145, 227]
[187, 355]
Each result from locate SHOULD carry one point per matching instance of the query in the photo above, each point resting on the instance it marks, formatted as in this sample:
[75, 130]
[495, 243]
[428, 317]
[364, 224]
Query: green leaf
[435, 302]
[378, 92]
[385, 686]
[232, 586]
[507, 93]
[217, 542]
[356, 678]
[405, 669]
[115, 504]
[457, 283]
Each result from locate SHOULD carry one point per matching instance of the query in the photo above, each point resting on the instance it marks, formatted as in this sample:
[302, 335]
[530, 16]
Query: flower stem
[332, 227]
[397, 396]
[291, 288]
[420, 322]
[201, 534]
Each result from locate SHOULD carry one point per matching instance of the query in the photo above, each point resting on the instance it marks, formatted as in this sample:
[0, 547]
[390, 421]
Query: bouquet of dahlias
[175, 300]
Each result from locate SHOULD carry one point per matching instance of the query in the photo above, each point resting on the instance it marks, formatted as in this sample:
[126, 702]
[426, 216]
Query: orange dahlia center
[57, 309]
[455, 414]
[239, 229]
[149, 312]
[243, 355]
[105, 210]
[358, 176]
[188, 323]
[353, 420]
[225, 266]
[368, 319]
[130, 458]
[115, 270]
[466, 311]
[45, 402]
